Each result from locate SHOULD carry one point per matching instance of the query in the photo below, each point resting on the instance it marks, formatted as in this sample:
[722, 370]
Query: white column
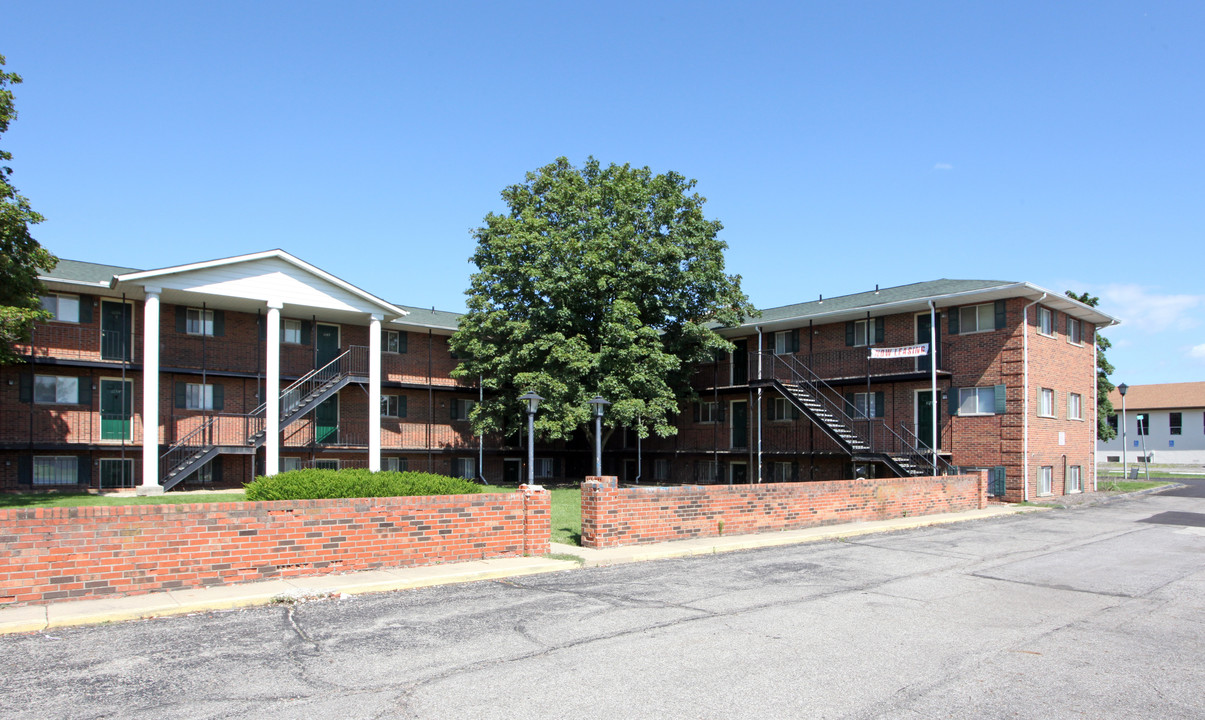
[150, 394]
[272, 391]
[374, 392]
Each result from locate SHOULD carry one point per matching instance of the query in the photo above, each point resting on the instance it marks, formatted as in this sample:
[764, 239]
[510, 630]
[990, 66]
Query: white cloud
[1142, 309]
[1197, 351]
[943, 166]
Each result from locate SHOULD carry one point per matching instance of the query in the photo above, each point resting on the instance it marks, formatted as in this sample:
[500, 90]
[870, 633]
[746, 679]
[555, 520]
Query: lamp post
[598, 404]
[1122, 389]
[533, 402]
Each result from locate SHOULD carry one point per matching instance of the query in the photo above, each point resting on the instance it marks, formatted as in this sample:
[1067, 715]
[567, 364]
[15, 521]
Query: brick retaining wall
[612, 516]
[89, 552]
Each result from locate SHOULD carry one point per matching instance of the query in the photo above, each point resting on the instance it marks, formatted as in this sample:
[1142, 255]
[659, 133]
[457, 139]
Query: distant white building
[1163, 422]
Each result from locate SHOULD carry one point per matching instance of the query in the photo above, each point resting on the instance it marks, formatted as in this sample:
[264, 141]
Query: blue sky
[841, 144]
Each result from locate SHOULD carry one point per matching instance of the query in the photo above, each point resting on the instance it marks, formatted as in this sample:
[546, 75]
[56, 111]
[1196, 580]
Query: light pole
[1122, 389]
[533, 402]
[598, 404]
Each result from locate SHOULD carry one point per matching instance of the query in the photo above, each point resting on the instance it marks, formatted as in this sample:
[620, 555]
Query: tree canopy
[599, 281]
[1104, 407]
[21, 257]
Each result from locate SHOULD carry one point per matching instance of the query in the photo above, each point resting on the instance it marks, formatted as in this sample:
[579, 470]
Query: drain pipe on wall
[760, 416]
[932, 379]
[1025, 415]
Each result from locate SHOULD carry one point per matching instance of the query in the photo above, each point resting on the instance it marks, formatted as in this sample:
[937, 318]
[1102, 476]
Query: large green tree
[598, 281]
[21, 257]
[1104, 407]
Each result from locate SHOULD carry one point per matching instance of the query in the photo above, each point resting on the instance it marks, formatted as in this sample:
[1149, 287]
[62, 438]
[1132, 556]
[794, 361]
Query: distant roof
[1164, 396]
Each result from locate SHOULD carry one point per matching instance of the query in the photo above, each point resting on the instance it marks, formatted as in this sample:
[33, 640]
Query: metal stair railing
[885, 442]
[176, 460]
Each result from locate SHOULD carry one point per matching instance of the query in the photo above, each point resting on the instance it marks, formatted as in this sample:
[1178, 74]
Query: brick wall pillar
[600, 503]
[537, 519]
[982, 489]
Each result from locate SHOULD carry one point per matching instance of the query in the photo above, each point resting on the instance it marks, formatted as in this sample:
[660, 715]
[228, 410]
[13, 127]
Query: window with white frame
[1045, 321]
[56, 390]
[1144, 423]
[544, 467]
[784, 342]
[394, 341]
[1073, 333]
[288, 464]
[782, 472]
[1046, 402]
[661, 469]
[55, 470]
[198, 322]
[977, 401]
[63, 308]
[1074, 482]
[393, 406]
[1075, 406]
[461, 407]
[709, 412]
[1175, 423]
[466, 468]
[395, 464]
[976, 318]
[864, 332]
[1046, 480]
[708, 471]
[864, 405]
[782, 409]
[291, 332]
[198, 396]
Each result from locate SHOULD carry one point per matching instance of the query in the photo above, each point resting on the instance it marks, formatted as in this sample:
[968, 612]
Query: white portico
[270, 285]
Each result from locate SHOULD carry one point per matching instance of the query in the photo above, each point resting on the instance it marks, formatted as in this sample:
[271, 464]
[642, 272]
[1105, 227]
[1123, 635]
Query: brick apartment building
[158, 379]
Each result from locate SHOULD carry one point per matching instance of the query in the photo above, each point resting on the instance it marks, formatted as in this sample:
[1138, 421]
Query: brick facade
[612, 516]
[91, 552]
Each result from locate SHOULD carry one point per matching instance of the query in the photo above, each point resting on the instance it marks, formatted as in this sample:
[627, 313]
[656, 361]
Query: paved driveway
[1092, 612]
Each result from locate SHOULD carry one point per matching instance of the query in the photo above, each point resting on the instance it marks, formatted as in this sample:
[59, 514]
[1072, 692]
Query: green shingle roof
[871, 298]
[430, 317]
[79, 271]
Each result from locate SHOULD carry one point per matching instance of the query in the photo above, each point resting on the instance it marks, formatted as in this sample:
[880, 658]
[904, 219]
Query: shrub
[312, 484]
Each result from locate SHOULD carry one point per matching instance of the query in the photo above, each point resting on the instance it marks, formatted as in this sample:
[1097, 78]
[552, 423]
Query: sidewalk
[34, 618]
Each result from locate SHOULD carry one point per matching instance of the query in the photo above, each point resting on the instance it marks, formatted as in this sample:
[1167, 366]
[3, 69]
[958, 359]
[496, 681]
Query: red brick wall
[612, 517]
[88, 552]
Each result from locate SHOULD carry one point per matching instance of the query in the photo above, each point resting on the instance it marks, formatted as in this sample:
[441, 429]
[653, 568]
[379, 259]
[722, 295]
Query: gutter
[1025, 415]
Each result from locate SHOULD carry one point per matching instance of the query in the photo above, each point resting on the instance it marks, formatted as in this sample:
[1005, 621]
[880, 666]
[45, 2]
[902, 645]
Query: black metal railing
[874, 434]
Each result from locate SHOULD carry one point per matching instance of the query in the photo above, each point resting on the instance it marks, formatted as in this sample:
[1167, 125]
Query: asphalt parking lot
[1093, 611]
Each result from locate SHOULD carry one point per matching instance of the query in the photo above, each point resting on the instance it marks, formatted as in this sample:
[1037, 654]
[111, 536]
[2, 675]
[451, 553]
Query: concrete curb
[36, 618]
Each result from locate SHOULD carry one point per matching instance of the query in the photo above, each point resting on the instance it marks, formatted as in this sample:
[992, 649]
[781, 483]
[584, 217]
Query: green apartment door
[327, 344]
[924, 418]
[326, 421]
[740, 424]
[923, 335]
[116, 403]
[116, 324]
[740, 362]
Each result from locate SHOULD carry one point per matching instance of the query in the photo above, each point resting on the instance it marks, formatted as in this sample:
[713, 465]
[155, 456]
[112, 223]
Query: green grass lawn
[566, 512]
[1128, 485]
[34, 500]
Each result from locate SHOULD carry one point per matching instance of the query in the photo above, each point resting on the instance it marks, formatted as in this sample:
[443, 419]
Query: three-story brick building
[156, 378]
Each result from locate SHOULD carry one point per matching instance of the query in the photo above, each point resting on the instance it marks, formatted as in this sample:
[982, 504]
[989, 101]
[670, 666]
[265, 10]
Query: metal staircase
[863, 438]
[243, 434]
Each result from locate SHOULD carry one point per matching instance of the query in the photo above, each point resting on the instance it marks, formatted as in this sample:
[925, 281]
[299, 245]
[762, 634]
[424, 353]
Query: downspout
[760, 416]
[481, 438]
[1025, 416]
[933, 381]
[1093, 436]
